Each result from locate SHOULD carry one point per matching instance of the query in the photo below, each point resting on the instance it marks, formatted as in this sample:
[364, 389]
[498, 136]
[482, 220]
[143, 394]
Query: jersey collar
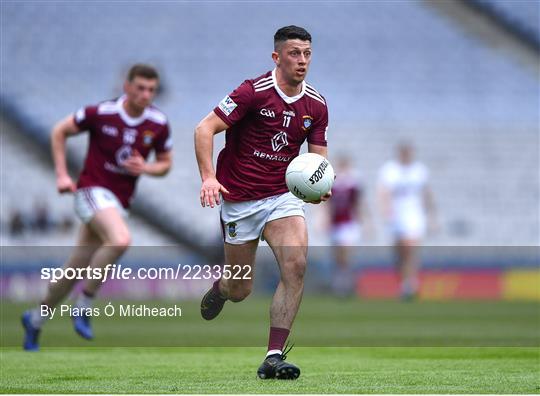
[126, 117]
[287, 99]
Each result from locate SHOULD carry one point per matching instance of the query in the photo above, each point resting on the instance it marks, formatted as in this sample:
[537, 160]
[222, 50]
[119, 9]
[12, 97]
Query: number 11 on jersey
[286, 121]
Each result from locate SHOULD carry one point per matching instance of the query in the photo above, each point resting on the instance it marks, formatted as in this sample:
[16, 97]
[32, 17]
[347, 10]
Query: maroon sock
[277, 338]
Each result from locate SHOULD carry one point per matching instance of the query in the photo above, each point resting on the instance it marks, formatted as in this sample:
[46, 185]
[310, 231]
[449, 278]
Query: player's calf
[239, 291]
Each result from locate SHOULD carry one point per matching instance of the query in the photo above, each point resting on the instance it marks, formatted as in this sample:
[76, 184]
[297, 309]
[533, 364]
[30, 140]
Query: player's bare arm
[136, 164]
[60, 132]
[321, 150]
[204, 146]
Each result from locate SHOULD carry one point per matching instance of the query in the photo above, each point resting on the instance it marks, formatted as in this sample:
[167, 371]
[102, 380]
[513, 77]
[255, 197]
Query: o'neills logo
[319, 173]
[271, 157]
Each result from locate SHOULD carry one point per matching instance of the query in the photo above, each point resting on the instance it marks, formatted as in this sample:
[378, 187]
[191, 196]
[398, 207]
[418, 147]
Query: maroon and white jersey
[266, 130]
[114, 135]
[346, 196]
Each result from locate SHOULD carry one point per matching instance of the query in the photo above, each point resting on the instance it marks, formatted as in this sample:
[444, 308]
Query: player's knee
[120, 241]
[239, 293]
[294, 268]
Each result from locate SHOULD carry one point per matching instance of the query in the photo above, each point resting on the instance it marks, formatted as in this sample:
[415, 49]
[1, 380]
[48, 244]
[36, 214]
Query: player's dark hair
[142, 70]
[290, 33]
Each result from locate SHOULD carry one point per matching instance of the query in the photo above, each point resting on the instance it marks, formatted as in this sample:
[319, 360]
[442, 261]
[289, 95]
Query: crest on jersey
[231, 229]
[279, 141]
[148, 138]
[306, 122]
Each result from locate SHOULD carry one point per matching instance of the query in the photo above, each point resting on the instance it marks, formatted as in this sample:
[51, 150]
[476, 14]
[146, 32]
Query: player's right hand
[210, 191]
[64, 184]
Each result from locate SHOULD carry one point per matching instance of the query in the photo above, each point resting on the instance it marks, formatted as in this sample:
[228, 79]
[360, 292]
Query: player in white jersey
[406, 203]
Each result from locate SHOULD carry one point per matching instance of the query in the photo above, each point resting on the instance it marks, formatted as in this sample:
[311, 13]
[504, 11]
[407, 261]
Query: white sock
[36, 320]
[83, 301]
[273, 352]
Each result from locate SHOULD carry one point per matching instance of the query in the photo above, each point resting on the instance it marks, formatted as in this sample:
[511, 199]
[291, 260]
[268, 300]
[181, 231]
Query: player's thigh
[288, 240]
[239, 264]
[110, 226]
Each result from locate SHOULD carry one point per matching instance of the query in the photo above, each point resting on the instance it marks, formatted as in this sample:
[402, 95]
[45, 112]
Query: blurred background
[457, 79]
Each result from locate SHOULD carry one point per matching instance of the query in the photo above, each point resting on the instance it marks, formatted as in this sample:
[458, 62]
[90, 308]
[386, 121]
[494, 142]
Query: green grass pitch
[344, 346]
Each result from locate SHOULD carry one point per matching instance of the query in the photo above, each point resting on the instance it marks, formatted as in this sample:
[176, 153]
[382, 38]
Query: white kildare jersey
[406, 185]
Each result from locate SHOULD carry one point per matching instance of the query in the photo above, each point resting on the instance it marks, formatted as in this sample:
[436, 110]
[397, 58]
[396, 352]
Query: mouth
[301, 71]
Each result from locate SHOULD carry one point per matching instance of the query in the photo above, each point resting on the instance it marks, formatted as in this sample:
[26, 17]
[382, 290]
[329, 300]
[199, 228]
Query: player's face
[293, 59]
[405, 154]
[141, 91]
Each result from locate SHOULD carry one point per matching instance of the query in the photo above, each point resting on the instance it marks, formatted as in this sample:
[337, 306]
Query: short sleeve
[319, 129]
[85, 117]
[164, 141]
[235, 106]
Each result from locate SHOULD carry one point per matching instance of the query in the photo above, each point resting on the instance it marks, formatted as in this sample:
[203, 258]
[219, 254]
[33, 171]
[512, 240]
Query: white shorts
[408, 227]
[346, 234]
[90, 200]
[244, 221]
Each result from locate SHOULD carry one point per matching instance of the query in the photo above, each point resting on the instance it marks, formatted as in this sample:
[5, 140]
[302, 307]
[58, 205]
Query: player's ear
[126, 86]
[275, 58]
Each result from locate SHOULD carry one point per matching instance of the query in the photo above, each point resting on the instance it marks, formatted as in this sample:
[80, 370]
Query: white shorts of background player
[89, 200]
[408, 226]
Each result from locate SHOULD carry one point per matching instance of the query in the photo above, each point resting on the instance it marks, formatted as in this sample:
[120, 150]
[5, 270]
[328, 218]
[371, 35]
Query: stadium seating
[520, 15]
[388, 70]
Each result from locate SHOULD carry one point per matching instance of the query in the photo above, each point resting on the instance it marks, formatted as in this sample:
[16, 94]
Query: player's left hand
[324, 198]
[135, 164]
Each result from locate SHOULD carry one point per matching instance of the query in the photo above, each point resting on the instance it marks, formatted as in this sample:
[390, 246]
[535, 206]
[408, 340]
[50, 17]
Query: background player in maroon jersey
[348, 215]
[267, 119]
[123, 132]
